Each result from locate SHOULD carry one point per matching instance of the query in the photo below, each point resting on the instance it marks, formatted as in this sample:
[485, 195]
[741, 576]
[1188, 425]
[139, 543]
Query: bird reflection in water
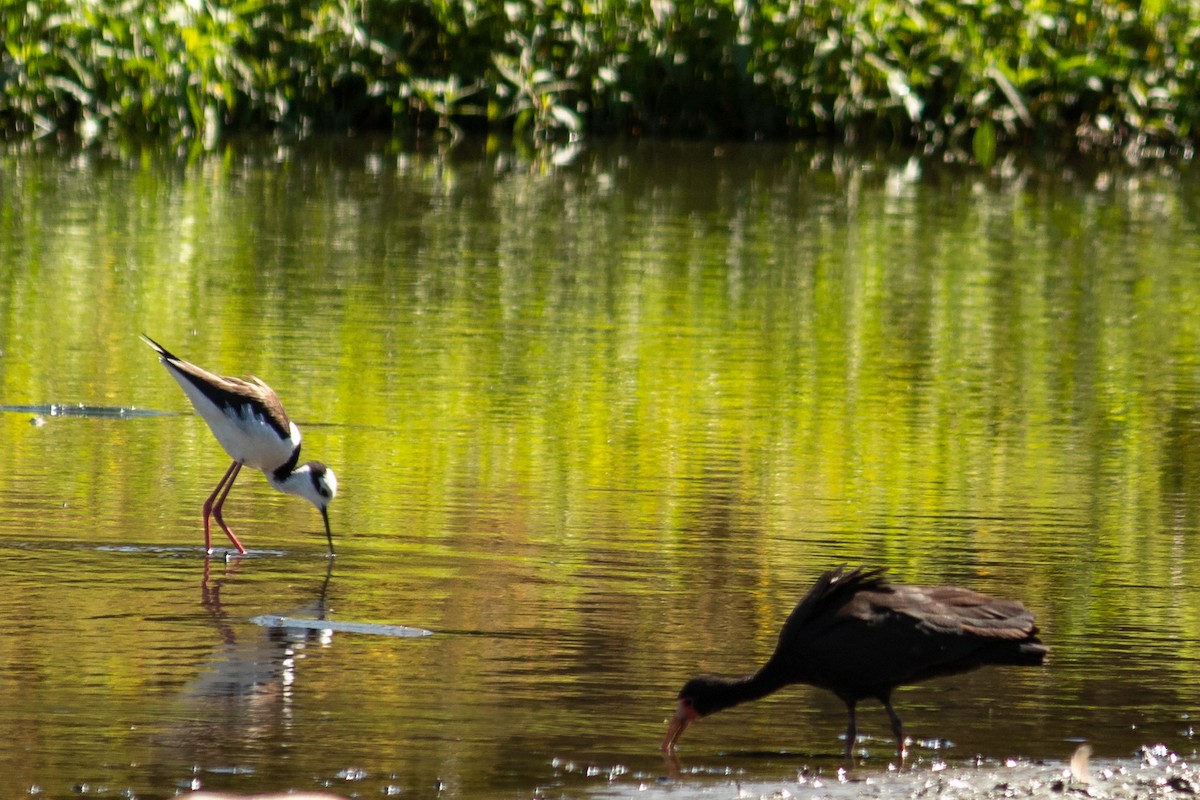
[253, 665]
[242, 697]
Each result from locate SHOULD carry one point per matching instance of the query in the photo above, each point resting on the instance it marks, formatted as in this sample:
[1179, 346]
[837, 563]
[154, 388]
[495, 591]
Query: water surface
[597, 423]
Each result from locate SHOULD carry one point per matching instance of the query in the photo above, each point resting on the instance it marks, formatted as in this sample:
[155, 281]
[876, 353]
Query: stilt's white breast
[245, 435]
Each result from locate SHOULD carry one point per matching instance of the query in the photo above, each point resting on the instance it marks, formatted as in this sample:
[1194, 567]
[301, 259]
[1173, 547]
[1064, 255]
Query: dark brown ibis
[860, 636]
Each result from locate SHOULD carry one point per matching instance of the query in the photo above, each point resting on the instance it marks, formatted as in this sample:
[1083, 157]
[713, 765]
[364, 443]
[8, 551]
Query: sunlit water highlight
[597, 426]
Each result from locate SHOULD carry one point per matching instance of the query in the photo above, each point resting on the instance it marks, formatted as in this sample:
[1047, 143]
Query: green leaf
[983, 144]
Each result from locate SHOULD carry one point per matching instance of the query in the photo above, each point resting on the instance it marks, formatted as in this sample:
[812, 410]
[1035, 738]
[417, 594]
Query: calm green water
[598, 424]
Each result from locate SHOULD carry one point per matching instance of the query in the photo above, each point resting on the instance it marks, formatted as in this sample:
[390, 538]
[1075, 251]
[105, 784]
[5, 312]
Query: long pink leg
[208, 504]
[220, 504]
[212, 508]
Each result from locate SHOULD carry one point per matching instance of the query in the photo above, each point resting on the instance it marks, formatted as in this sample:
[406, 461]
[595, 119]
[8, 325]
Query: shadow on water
[85, 410]
[312, 620]
[339, 626]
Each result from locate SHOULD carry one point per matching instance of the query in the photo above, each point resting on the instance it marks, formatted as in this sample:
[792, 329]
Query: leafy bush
[943, 75]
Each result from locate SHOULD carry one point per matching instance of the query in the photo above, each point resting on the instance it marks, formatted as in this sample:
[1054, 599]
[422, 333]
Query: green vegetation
[969, 76]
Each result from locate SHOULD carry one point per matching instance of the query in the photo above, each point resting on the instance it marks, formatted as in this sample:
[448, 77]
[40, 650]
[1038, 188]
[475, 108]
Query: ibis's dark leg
[851, 729]
[897, 728]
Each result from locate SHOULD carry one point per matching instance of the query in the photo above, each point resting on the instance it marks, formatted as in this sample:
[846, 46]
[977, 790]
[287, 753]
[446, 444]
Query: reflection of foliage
[950, 75]
[648, 398]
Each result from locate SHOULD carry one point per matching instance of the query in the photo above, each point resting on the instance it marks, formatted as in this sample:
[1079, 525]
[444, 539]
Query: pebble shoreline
[1154, 773]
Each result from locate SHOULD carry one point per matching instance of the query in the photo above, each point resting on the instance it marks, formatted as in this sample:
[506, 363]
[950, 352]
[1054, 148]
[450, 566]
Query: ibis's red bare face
[684, 715]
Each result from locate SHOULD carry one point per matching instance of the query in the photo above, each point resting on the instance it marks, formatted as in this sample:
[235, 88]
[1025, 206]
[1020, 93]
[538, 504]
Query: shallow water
[597, 425]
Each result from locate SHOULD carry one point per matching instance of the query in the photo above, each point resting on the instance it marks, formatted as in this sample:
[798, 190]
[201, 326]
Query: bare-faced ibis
[859, 636]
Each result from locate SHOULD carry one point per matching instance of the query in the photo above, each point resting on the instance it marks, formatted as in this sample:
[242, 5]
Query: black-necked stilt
[250, 423]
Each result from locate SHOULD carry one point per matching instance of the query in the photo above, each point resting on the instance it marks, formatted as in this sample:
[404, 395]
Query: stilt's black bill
[328, 533]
